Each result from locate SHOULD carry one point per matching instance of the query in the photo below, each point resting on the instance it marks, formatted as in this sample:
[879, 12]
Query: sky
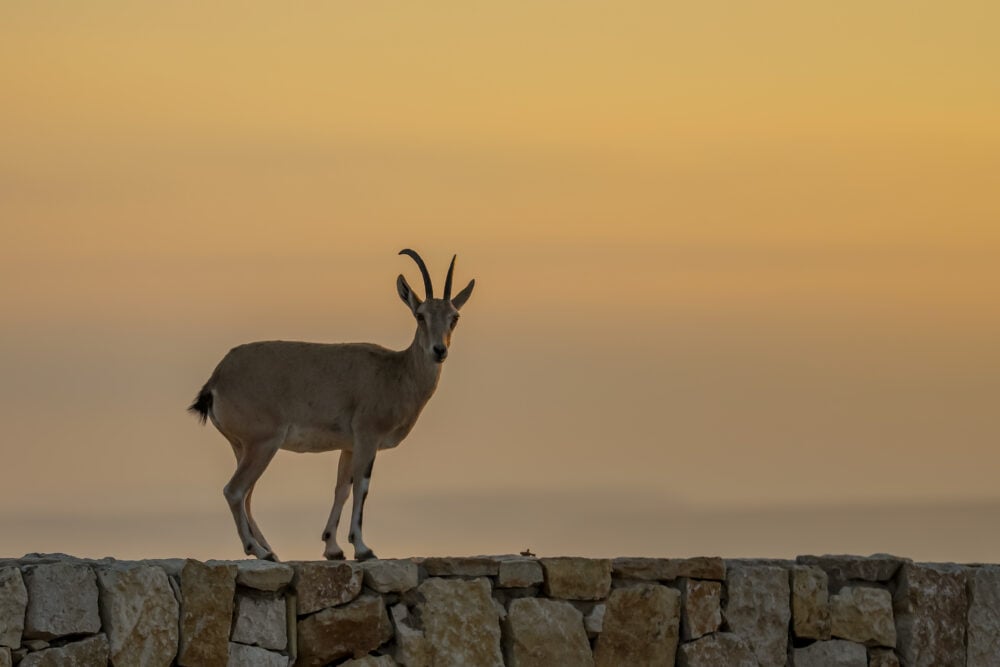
[737, 269]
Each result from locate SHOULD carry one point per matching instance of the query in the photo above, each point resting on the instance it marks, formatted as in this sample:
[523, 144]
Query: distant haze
[738, 270]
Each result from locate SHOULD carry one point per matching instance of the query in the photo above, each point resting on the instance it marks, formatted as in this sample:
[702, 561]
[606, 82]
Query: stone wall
[815, 611]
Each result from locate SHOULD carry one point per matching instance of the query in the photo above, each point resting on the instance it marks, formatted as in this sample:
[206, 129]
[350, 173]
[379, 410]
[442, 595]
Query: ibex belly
[306, 439]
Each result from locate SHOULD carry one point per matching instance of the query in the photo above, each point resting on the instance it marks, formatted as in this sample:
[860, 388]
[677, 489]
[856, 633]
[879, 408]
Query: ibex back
[313, 397]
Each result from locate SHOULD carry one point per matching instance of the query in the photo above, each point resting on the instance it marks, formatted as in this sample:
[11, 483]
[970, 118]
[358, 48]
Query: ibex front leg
[340, 493]
[362, 464]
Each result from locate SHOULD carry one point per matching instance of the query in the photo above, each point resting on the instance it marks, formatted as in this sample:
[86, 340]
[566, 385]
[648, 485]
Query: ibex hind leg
[254, 529]
[251, 461]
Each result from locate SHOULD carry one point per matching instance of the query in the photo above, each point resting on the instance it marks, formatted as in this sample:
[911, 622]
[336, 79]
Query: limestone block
[577, 578]
[541, 633]
[13, 603]
[930, 607]
[391, 576]
[593, 622]
[241, 655]
[262, 575]
[476, 566]
[84, 653]
[460, 622]
[641, 627]
[716, 650]
[864, 615]
[668, 569]
[370, 661]
[206, 611]
[701, 610]
[984, 616]
[321, 584]
[833, 653]
[758, 610]
[885, 657]
[842, 570]
[139, 613]
[353, 629]
[810, 603]
[62, 600]
[519, 573]
[412, 649]
[261, 621]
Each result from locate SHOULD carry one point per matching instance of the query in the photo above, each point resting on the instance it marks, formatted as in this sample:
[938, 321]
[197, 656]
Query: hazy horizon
[734, 264]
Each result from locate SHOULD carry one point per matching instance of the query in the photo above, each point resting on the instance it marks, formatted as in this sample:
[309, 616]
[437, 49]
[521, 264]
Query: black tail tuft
[202, 404]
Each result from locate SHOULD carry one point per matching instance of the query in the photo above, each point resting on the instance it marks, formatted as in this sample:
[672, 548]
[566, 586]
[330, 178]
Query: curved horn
[428, 288]
[447, 281]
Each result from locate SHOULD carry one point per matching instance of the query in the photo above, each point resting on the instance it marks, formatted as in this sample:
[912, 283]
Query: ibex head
[436, 318]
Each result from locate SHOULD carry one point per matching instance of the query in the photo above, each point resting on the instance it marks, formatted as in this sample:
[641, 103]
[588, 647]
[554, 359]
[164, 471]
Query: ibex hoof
[337, 555]
[271, 556]
[365, 555]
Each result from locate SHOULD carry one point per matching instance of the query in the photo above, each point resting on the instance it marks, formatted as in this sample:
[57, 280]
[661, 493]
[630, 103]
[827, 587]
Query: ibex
[313, 397]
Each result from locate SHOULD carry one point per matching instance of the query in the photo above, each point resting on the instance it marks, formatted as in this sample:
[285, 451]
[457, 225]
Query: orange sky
[736, 264]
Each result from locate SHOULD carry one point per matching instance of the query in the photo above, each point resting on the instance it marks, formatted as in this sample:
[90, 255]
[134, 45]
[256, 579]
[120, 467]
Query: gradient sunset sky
[737, 264]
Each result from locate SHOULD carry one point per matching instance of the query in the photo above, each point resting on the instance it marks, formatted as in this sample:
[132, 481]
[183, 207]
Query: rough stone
[241, 655]
[391, 576]
[842, 570]
[520, 573]
[84, 653]
[13, 604]
[577, 578]
[541, 633]
[641, 627]
[701, 610]
[139, 613]
[370, 661]
[460, 622]
[262, 575]
[758, 610]
[668, 569]
[261, 621]
[35, 644]
[412, 649]
[354, 629]
[593, 622]
[62, 600]
[6, 660]
[206, 611]
[885, 657]
[833, 653]
[476, 566]
[325, 584]
[983, 633]
[930, 608]
[810, 603]
[716, 650]
[864, 615]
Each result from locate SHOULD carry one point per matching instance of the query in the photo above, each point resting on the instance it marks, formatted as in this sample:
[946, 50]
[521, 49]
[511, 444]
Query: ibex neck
[423, 369]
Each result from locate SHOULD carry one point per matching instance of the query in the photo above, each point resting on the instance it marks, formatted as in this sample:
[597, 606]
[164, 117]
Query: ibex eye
[420, 317]
[454, 322]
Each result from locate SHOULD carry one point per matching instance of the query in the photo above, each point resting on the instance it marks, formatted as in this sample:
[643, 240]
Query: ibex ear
[406, 294]
[463, 296]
